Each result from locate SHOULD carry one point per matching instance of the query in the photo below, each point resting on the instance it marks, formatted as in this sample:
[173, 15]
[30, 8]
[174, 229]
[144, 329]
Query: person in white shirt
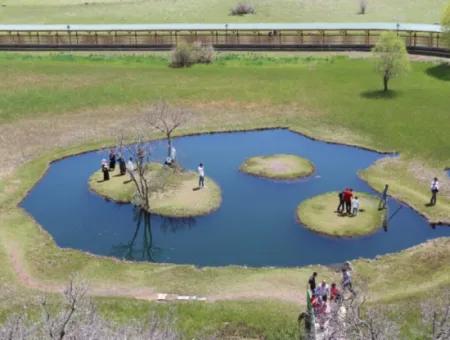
[323, 291]
[434, 190]
[355, 206]
[201, 175]
[173, 153]
[130, 165]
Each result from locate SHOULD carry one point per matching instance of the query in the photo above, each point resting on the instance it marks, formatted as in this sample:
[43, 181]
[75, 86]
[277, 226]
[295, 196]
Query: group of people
[110, 165]
[348, 202]
[323, 295]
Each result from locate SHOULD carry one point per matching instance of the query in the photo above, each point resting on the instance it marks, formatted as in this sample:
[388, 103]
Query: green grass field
[332, 98]
[334, 91]
[180, 11]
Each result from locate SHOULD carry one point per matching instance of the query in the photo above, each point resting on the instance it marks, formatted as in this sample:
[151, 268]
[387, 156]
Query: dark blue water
[255, 225]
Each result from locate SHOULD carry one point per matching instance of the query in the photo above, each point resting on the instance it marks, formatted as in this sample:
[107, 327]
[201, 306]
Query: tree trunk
[169, 147]
[385, 83]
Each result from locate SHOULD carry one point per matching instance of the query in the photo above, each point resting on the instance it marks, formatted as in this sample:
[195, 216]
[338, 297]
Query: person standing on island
[112, 160]
[341, 206]
[201, 176]
[130, 165]
[355, 206]
[383, 199]
[348, 194]
[312, 282]
[105, 170]
[122, 165]
[434, 190]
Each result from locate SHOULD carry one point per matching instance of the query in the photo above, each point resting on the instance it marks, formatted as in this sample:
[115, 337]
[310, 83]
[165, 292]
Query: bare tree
[77, 319]
[436, 318]
[166, 119]
[353, 319]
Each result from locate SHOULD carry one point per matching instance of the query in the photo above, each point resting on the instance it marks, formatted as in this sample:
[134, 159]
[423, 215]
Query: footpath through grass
[155, 11]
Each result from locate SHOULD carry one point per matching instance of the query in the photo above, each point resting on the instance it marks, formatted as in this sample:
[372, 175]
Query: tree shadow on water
[380, 94]
[441, 71]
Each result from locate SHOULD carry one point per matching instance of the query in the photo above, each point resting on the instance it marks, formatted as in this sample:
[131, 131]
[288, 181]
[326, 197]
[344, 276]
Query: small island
[319, 214]
[278, 166]
[174, 192]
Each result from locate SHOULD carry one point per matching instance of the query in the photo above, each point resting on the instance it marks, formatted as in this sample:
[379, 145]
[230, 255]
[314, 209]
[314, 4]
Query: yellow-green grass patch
[278, 166]
[319, 214]
[409, 181]
[176, 194]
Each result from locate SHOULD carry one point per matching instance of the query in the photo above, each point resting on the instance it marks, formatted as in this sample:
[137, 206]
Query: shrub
[182, 56]
[203, 54]
[185, 55]
[242, 9]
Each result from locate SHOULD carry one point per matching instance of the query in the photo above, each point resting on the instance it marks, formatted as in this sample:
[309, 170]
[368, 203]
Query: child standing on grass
[355, 206]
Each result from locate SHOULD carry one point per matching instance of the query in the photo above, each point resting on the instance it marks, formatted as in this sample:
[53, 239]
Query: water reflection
[143, 250]
[176, 224]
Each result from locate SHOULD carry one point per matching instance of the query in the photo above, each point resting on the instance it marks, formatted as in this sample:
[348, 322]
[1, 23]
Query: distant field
[158, 11]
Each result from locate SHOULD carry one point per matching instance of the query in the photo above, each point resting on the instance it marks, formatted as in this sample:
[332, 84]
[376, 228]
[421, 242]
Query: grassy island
[176, 194]
[279, 166]
[319, 214]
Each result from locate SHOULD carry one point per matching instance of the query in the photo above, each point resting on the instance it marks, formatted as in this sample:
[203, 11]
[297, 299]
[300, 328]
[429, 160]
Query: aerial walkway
[419, 38]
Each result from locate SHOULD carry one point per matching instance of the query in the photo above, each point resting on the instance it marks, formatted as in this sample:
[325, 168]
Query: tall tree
[392, 57]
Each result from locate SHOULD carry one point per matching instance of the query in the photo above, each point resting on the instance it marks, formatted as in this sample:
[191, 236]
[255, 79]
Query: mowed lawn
[339, 92]
[157, 11]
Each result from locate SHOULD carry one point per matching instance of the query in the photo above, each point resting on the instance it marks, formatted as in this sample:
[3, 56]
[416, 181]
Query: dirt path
[147, 294]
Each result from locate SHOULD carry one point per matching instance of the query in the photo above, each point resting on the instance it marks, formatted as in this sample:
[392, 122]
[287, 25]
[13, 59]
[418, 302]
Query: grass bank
[339, 101]
[154, 11]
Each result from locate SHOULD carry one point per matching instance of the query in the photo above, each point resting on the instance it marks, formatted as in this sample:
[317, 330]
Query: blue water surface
[256, 224]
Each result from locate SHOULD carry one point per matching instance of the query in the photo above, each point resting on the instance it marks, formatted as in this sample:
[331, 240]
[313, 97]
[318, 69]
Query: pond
[256, 224]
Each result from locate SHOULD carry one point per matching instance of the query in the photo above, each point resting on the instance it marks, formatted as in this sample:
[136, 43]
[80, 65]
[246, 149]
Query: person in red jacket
[348, 194]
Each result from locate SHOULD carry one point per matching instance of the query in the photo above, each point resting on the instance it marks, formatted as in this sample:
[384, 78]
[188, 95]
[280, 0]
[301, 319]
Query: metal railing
[418, 38]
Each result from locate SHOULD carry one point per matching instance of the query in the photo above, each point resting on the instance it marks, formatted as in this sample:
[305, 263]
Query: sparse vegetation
[242, 9]
[215, 11]
[185, 55]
